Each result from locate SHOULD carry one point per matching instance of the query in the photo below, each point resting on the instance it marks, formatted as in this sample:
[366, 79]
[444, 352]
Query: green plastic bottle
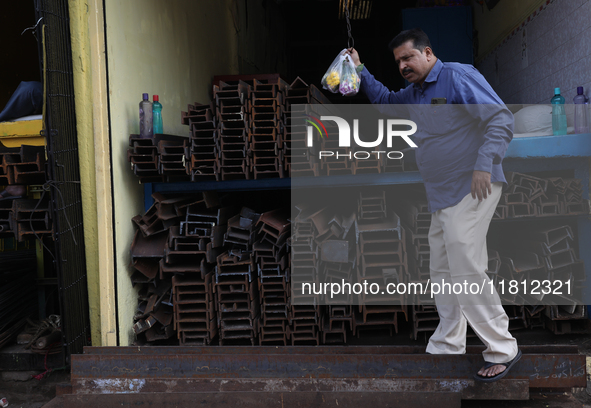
[558, 113]
[157, 115]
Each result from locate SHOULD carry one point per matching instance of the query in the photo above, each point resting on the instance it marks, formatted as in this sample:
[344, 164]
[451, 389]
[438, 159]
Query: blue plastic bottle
[558, 113]
[581, 119]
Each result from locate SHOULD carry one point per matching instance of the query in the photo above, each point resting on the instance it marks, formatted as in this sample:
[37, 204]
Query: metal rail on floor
[303, 375]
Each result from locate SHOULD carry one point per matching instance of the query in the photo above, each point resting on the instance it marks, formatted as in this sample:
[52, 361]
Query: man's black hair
[419, 39]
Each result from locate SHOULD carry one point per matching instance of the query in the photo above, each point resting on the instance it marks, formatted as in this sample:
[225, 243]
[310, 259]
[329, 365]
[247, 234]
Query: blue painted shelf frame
[529, 154]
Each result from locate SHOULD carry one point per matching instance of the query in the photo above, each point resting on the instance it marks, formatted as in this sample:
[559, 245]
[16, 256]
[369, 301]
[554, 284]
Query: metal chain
[350, 40]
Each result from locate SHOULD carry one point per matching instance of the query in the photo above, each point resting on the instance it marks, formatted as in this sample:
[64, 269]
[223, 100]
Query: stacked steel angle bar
[21, 217]
[160, 159]
[381, 254]
[204, 146]
[528, 196]
[530, 265]
[231, 108]
[214, 272]
[416, 219]
[25, 219]
[272, 261]
[22, 165]
[210, 272]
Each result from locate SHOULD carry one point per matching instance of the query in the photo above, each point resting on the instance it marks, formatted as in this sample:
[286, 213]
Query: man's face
[413, 64]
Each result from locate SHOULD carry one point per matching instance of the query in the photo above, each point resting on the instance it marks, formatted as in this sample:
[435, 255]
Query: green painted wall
[169, 48]
[83, 98]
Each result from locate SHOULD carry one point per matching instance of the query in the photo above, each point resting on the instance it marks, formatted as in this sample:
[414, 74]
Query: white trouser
[457, 240]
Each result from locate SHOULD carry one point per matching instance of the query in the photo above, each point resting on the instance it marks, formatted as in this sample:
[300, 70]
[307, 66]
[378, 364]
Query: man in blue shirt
[460, 149]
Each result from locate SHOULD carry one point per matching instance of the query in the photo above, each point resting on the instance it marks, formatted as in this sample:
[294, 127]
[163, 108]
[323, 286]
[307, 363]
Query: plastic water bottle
[558, 113]
[157, 112]
[146, 130]
[581, 119]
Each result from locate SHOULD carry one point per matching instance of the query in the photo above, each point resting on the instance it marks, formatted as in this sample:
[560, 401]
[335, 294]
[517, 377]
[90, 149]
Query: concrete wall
[494, 25]
[558, 49]
[169, 48]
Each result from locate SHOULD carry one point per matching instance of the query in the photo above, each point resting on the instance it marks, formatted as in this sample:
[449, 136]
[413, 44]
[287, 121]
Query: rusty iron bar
[391, 224]
[7, 158]
[264, 399]
[265, 133]
[273, 285]
[334, 331]
[501, 212]
[187, 250]
[5, 218]
[396, 166]
[367, 166]
[233, 125]
[29, 219]
[145, 158]
[339, 319]
[371, 205]
[203, 150]
[197, 113]
[533, 196]
[299, 163]
[275, 225]
[240, 231]
[194, 309]
[173, 164]
[145, 351]
[23, 165]
[30, 167]
[416, 216]
[538, 254]
[567, 319]
[150, 223]
[148, 247]
[154, 316]
[237, 296]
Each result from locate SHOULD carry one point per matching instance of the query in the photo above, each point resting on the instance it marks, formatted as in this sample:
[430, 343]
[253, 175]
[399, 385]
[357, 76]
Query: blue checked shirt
[452, 140]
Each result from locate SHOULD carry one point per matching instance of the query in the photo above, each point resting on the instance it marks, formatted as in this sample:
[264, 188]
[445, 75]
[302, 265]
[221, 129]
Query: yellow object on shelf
[23, 132]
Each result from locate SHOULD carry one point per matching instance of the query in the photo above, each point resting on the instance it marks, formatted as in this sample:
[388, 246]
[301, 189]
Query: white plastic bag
[341, 76]
[350, 81]
[332, 77]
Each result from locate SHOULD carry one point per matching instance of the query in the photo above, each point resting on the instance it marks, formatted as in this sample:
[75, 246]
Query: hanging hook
[33, 27]
[350, 40]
